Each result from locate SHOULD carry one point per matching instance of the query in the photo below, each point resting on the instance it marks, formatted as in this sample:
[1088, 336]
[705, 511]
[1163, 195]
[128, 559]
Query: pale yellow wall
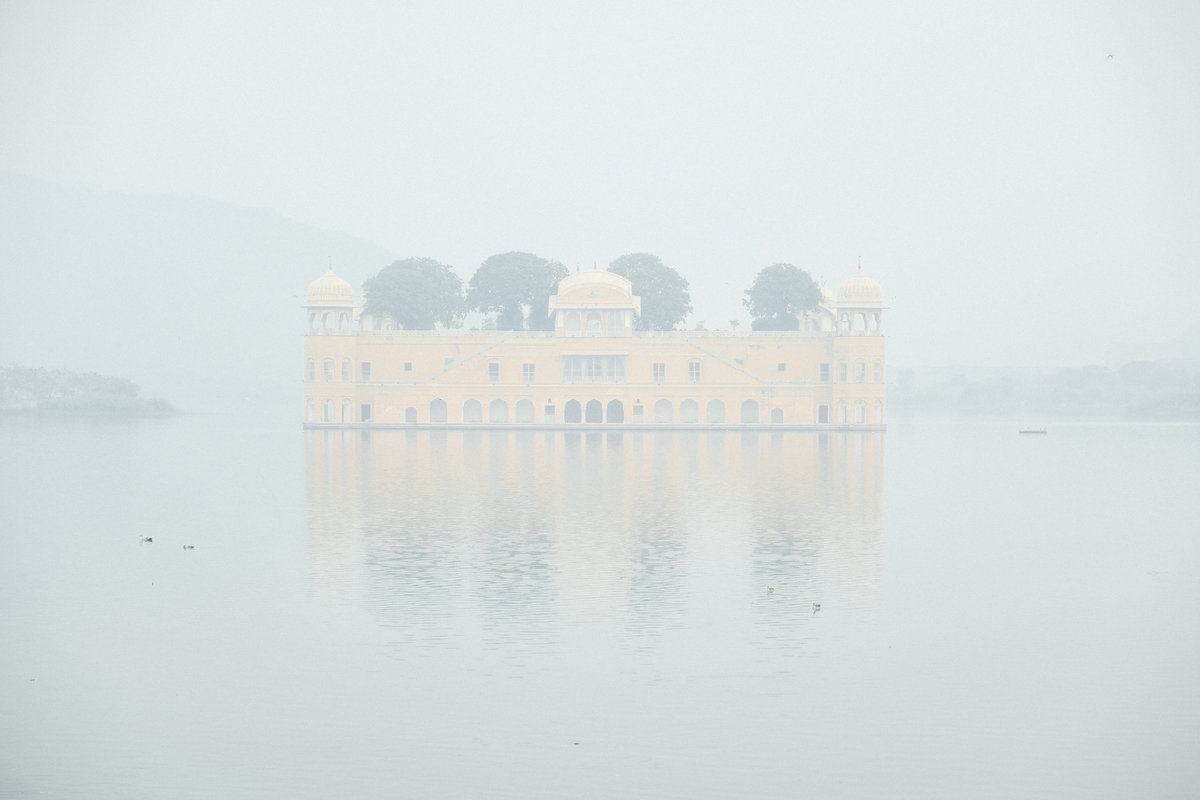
[797, 391]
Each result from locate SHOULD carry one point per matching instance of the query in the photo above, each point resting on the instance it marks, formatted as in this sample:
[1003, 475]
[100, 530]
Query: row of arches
[663, 411]
[859, 322]
[331, 321]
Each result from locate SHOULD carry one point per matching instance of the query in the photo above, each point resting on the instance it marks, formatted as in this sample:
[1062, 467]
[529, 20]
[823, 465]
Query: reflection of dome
[860, 291]
[330, 290]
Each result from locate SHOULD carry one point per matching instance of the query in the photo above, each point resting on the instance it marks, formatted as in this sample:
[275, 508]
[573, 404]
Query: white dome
[330, 290]
[860, 291]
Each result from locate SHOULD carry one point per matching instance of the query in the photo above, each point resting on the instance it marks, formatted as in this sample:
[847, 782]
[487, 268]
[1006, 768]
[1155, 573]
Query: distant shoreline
[44, 392]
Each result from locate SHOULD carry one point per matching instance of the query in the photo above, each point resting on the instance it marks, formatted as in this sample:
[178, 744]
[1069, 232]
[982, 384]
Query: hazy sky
[1023, 178]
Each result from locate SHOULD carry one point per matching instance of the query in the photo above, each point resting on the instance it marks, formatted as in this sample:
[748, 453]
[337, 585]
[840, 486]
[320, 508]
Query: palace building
[594, 369]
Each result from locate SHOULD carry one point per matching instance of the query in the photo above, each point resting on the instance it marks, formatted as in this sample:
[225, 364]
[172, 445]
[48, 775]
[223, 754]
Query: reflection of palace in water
[599, 523]
[593, 368]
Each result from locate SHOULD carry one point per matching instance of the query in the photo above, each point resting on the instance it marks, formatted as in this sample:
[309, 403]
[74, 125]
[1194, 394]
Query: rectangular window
[550, 414]
[825, 373]
[593, 369]
[694, 371]
[781, 367]
[842, 372]
[527, 372]
[860, 371]
[408, 366]
[822, 413]
[660, 371]
[639, 414]
[493, 372]
[878, 372]
[365, 369]
[364, 412]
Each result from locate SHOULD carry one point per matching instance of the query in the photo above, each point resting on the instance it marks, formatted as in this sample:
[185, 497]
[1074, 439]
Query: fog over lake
[550, 614]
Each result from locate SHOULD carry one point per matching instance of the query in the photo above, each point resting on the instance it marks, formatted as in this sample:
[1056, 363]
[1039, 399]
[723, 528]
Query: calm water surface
[542, 614]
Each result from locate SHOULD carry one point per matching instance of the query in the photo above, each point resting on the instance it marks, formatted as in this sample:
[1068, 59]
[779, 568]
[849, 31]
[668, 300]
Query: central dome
[330, 290]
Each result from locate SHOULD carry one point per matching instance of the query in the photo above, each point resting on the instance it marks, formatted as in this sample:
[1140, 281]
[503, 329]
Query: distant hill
[197, 301]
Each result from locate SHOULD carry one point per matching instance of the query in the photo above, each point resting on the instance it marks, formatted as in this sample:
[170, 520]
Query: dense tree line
[26, 389]
[512, 291]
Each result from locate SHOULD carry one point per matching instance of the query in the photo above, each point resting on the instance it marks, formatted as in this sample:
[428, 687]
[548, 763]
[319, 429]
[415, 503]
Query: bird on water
[147, 539]
[189, 547]
[816, 607]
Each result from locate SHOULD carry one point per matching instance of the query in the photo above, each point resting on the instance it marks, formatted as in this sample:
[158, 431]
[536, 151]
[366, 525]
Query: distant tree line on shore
[1147, 390]
[27, 389]
[512, 290]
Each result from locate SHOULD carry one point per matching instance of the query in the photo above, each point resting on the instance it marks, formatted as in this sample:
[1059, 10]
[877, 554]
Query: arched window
[498, 411]
[664, 412]
[410, 415]
[327, 321]
[845, 323]
[312, 370]
[344, 322]
[776, 415]
[860, 322]
[594, 411]
[574, 323]
[312, 320]
[750, 411]
[327, 411]
[860, 414]
[593, 324]
[523, 412]
[309, 410]
[345, 369]
[437, 410]
[714, 412]
[387, 325]
[689, 411]
[327, 369]
[346, 410]
[472, 411]
[572, 411]
[615, 411]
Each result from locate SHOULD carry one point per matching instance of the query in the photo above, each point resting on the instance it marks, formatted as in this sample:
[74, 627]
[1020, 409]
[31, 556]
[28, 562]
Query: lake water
[549, 614]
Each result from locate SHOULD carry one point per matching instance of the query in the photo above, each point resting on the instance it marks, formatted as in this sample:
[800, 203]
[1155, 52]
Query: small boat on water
[1039, 431]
